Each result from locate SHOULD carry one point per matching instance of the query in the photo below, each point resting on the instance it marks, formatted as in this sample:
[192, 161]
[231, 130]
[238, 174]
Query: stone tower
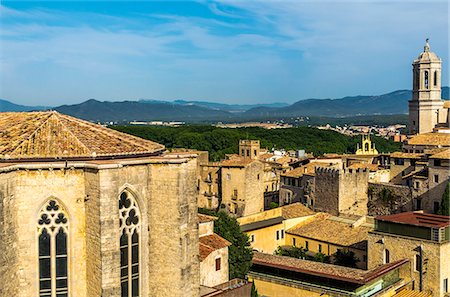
[249, 148]
[426, 105]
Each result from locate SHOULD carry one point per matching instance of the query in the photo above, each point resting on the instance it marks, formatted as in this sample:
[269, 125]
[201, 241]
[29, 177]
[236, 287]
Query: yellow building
[266, 229]
[327, 234]
[279, 276]
[367, 147]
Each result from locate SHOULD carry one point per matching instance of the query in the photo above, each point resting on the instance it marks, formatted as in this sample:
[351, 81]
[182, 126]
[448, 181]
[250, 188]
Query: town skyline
[243, 52]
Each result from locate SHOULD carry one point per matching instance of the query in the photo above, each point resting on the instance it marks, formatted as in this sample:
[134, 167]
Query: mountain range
[194, 111]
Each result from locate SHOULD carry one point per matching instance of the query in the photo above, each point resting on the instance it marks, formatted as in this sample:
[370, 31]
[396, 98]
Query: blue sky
[63, 52]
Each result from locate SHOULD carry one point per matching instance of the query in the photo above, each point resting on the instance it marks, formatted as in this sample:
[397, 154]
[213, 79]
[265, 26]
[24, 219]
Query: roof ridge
[131, 139]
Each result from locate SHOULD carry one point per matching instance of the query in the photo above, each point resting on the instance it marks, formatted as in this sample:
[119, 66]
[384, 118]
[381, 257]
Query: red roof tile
[417, 219]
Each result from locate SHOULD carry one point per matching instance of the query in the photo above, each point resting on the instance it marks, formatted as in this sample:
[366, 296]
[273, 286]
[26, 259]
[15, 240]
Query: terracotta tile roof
[295, 210]
[202, 218]
[211, 243]
[371, 167]
[442, 155]
[341, 273]
[308, 169]
[417, 219]
[323, 229]
[236, 162]
[49, 135]
[430, 139]
[265, 156]
[406, 155]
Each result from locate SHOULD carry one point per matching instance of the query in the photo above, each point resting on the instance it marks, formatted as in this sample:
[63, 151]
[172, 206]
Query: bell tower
[426, 103]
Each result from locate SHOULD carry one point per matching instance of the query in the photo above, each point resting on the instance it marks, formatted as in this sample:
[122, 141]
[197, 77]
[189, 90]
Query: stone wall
[406, 248]
[209, 276]
[353, 184]
[401, 199]
[166, 193]
[9, 272]
[326, 190]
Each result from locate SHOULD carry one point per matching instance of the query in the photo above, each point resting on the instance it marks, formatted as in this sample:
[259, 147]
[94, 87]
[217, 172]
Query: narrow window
[278, 234]
[282, 233]
[307, 245]
[435, 78]
[320, 248]
[130, 227]
[387, 256]
[254, 153]
[426, 80]
[445, 289]
[217, 264]
[435, 207]
[436, 178]
[248, 153]
[418, 263]
[52, 237]
[252, 238]
[293, 242]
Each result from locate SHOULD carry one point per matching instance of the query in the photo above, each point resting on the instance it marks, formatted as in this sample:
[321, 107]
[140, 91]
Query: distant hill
[391, 103]
[394, 103]
[234, 108]
[125, 111]
[9, 106]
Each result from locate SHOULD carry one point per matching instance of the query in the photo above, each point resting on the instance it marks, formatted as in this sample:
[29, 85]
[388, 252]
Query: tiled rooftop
[417, 219]
[430, 139]
[370, 167]
[324, 229]
[445, 154]
[406, 155]
[325, 270]
[211, 243]
[202, 218]
[49, 135]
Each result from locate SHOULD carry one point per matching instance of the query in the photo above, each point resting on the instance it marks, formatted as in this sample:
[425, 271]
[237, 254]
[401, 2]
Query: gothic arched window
[53, 228]
[426, 79]
[130, 227]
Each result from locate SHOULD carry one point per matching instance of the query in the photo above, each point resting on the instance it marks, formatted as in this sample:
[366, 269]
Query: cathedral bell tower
[426, 103]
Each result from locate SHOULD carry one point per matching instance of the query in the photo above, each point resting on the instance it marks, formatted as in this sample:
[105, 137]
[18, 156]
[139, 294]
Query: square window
[217, 264]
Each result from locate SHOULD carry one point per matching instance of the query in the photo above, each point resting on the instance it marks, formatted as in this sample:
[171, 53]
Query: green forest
[221, 141]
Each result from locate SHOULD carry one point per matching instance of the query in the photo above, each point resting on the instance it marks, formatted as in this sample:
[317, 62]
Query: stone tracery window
[53, 229]
[130, 227]
[426, 80]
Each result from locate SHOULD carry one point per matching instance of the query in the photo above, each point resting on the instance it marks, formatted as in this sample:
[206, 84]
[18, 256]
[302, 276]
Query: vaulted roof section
[51, 135]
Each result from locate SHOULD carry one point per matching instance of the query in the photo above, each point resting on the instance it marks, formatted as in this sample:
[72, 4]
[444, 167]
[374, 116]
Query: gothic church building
[87, 211]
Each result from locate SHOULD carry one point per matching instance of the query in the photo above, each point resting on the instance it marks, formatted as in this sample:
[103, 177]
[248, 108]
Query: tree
[345, 258]
[444, 209]
[294, 252]
[254, 292]
[319, 257]
[240, 252]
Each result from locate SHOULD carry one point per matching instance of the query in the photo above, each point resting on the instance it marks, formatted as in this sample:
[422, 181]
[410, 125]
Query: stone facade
[387, 198]
[400, 247]
[341, 191]
[164, 189]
